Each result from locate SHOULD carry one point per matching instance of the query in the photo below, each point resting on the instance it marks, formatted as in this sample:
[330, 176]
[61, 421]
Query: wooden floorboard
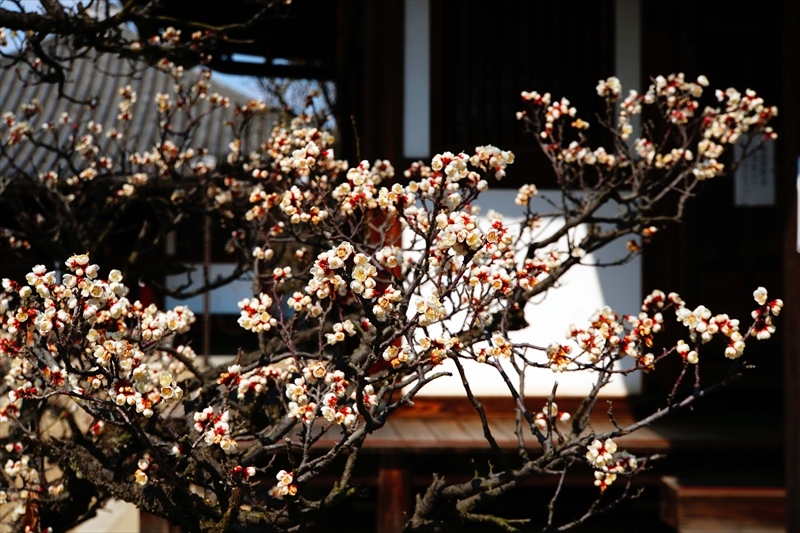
[413, 430]
[449, 431]
[471, 427]
[465, 433]
[504, 431]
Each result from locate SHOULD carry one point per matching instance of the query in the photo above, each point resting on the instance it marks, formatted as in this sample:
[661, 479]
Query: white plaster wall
[224, 300]
[116, 517]
[581, 292]
[416, 80]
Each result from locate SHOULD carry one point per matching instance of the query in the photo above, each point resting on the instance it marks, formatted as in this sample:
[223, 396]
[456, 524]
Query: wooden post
[394, 494]
[790, 136]
[207, 294]
[150, 523]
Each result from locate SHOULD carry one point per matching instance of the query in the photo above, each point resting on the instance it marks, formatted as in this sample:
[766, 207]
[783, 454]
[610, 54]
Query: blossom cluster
[543, 419]
[607, 336]
[679, 100]
[353, 266]
[608, 463]
[215, 429]
[255, 313]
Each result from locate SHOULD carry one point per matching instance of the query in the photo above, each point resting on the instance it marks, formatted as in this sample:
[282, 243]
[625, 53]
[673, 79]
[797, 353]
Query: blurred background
[405, 79]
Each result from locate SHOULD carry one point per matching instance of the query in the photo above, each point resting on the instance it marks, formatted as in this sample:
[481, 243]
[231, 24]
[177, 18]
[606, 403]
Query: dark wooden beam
[790, 111]
[379, 109]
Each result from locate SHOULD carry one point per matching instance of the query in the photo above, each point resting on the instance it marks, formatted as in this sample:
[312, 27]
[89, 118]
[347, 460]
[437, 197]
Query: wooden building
[422, 76]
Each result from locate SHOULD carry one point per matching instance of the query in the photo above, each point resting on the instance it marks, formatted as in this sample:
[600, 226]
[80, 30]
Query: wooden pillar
[369, 80]
[394, 494]
[150, 523]
[790, 322]
[207, 294]
[378, 96]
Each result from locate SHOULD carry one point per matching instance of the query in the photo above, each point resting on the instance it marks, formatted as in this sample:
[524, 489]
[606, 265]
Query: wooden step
[692, 507]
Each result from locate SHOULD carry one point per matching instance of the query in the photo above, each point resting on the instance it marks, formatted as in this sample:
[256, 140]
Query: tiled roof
[101, 77]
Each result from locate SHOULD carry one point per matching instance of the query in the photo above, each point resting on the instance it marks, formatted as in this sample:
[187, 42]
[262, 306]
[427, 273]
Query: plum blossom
[599, 453]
